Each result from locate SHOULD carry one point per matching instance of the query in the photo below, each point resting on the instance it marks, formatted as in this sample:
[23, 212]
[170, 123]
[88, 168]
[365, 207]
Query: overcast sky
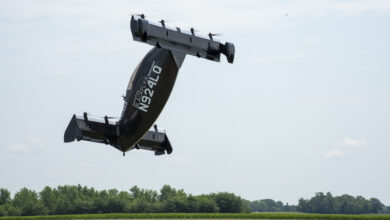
[304, 108]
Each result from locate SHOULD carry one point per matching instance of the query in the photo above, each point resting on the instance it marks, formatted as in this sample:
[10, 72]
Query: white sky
[304, 108]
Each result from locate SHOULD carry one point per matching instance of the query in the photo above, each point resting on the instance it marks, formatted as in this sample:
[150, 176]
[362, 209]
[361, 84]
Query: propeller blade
[97, 116]
[141, 15]
[193, 30]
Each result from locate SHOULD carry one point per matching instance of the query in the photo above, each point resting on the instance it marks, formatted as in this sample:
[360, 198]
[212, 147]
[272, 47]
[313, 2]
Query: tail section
[105, 131]
[156, 141]
[92, 129]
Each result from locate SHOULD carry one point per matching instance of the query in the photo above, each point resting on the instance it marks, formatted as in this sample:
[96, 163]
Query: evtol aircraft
[149, 88]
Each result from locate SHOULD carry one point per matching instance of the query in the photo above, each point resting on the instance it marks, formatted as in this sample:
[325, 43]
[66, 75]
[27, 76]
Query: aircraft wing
[106, 131]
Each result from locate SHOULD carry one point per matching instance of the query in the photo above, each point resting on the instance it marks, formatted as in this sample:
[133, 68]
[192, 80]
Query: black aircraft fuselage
[149, 89]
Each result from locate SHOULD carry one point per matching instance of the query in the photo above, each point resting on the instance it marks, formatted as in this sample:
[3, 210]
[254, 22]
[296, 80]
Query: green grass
[281, 215]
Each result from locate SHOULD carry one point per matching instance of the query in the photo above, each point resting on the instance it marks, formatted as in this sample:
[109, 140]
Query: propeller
[211, 35]
[96, 116]
[162, 22]
[140, 15]
[111, 117]
[193, 30]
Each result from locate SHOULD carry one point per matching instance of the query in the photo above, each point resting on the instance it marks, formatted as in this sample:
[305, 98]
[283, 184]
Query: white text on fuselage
[143, 97]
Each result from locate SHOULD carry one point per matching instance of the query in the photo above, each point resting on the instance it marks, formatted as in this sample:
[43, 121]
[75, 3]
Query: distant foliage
[207, 216]
[66, 200]
[386, 210]
[83, 200]
[345, 204]
[269, 205]
[5, 196]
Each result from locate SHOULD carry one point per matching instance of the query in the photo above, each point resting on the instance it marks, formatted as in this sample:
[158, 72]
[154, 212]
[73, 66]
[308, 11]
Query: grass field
[204, 216]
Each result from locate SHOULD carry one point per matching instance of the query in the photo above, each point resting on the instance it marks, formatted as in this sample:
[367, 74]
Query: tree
[206, 204]
[176, 204]
[27, 201]
[375, 206]
[228, 202]
[12, 210]
[174, 200]
[139, 205]
[3, 211]
[118, 202]
[289, 208]
[273, 206]
[148, 195]
[362, 205]
[259, 206]
[321, 203]
[304, 206]
[167, 192]
[5, 196]
[327, 203]
[49, 199]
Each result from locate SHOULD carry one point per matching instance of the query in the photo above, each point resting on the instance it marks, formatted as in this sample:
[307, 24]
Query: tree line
[83, 200]
[344, 204]
[269, 205]
[79, 199]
